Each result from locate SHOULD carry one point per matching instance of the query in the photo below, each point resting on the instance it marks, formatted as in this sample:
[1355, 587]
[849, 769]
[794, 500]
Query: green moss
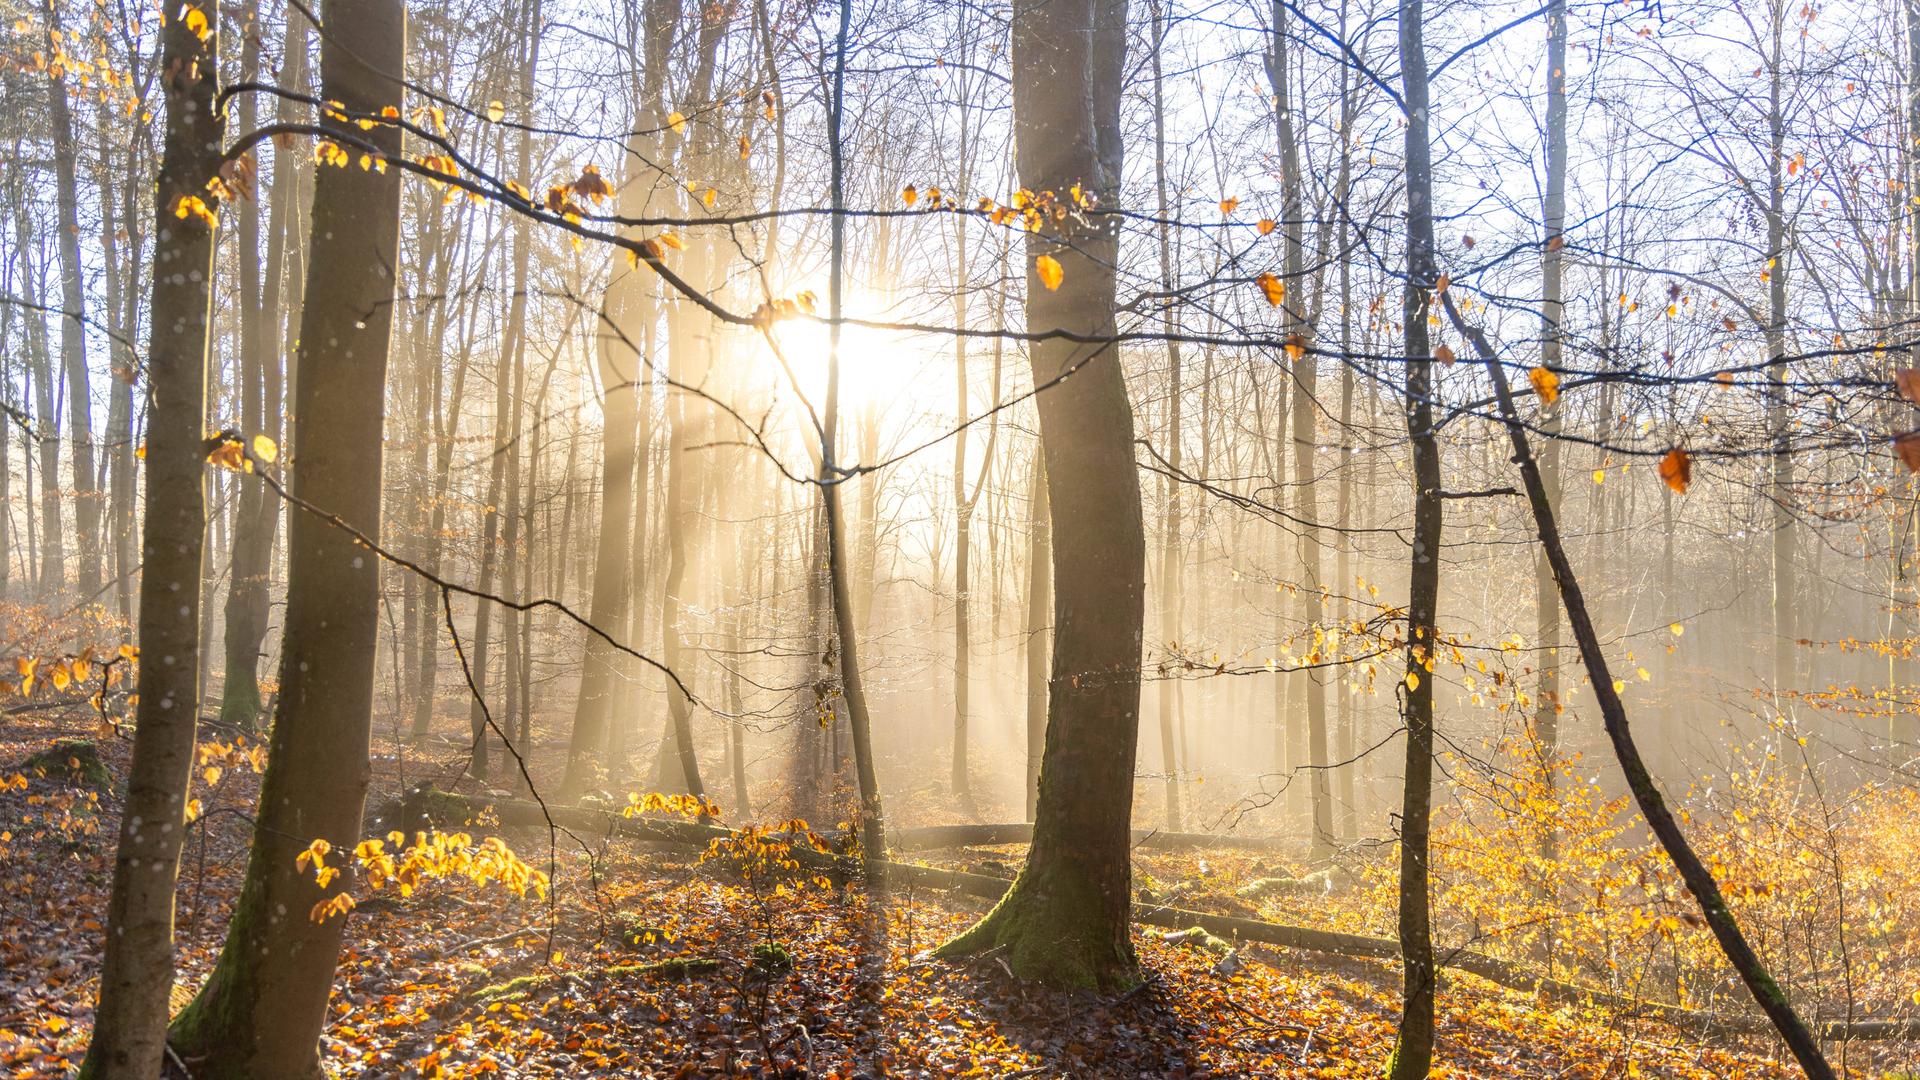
[771, 959]
[1048, 927]
[73, 761]
[525, 986]
[240, 701]
[512, 990]
[638, 934]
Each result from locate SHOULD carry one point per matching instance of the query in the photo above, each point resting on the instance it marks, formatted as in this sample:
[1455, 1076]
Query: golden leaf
[1048, 268]
[496, 110]
[677, 122]
[1274, 289]
[1546, 384]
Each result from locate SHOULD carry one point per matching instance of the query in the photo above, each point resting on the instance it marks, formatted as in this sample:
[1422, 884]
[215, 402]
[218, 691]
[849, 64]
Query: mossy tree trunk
[261, 1011]
[137, 974]
[1064, 922]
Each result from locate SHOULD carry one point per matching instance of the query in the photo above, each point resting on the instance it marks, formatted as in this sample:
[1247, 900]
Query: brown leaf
[1677, 470]
[1907, 381]
[1908, 447]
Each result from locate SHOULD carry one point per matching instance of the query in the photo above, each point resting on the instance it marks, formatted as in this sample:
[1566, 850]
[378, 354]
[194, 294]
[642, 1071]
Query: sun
[879, 369]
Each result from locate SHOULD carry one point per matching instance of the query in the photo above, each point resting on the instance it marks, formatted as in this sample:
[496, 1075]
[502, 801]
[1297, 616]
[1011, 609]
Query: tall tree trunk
[136, 979]
[1170, 566]
[258, 514]
[1064, 921]
[262, 1008]
[46, 423]
[1546, 717]
[1300, 330]
[73, 331]
[839, 572]
[1413, 1049]
[1780, 484]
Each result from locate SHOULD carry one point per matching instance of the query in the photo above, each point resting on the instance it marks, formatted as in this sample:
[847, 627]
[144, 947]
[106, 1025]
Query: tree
[1065, 920]
[136, 978]
[1413, 1047]
[262, 1008]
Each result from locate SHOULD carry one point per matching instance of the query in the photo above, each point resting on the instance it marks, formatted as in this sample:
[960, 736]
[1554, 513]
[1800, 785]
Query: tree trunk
[1306, 377]
[1169, 688]
[1546, 717]
[1064, 922]
[130, 1027]
[1413, 1049]
[73, 332]
[259, 512]
[1038, 636]
[261, 1010]
[839, 572]
[46, 424]
[1646, 792]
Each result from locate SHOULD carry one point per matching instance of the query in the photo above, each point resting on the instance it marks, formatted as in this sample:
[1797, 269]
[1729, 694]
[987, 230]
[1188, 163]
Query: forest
[1030, 538]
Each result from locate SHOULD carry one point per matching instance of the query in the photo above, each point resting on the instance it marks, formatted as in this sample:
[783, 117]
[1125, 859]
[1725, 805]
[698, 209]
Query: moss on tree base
[1052, 931]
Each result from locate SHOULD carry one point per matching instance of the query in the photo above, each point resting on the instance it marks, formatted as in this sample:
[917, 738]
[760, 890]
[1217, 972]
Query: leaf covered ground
[649, 962]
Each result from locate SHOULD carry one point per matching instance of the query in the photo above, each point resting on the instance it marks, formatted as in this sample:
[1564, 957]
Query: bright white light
[877, 368]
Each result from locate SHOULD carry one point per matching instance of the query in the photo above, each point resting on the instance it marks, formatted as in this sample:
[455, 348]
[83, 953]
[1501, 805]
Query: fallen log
[430, 807]
[931, 837]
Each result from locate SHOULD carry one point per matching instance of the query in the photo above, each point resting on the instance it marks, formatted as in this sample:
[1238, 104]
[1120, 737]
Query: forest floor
[800, 979]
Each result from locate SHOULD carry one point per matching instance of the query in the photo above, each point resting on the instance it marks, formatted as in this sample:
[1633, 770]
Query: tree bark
[258, 515]
[1038, 636]
[1170, 567]
[1413, 1048]
[130, 1027]
[1064, 921]
[261, 1010]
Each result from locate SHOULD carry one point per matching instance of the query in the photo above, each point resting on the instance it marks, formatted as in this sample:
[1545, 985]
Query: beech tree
[130, 1032]
[1064, 921]
[261, 1010]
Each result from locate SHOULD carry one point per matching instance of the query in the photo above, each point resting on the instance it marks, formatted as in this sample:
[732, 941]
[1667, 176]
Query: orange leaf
[1546, 384]
[1677, 470]
[1266, 226]
[1444, 354]
[1273, 287]
[1051, 275]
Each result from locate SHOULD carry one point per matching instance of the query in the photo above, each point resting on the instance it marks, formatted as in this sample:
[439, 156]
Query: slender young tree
[1413, 1047]
[262, 1009]
[130, 1025]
